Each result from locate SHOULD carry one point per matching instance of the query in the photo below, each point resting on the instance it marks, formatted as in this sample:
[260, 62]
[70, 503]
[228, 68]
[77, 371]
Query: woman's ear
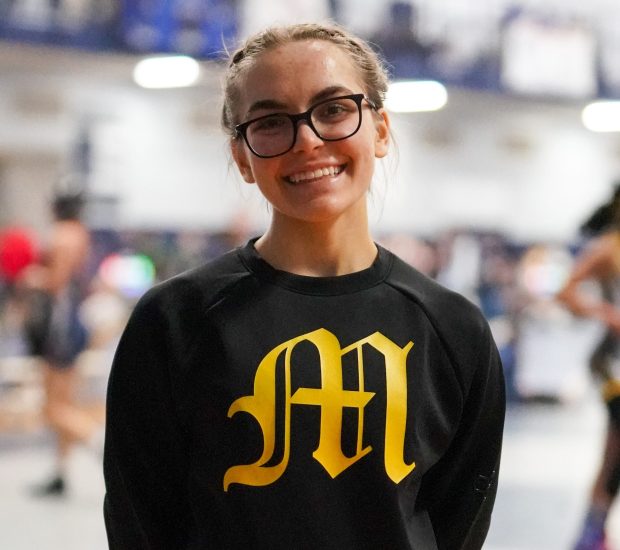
[382, 138]
[239, 153]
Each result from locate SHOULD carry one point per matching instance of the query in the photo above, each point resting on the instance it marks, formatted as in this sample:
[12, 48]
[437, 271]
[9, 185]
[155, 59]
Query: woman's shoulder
[435, 299]
[197, 288]
[458, 323]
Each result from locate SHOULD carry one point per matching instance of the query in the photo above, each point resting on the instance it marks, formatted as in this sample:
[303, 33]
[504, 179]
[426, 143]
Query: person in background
[600, 262]
[308, 389]
[57, 334]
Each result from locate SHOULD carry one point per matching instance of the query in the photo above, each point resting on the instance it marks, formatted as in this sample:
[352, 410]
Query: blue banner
[201, 28]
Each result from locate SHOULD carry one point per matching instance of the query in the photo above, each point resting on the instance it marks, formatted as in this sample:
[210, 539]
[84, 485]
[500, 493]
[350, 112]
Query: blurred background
[507, 142]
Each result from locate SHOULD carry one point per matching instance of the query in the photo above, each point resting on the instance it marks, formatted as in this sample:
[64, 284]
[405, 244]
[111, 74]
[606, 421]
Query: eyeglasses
[334, 119]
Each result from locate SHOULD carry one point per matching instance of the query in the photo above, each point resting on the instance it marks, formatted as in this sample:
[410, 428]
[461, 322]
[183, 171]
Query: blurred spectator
[416, 252]
[406, 53]
[550, 346]
[604, 216]
[459, 254]
[497, 292]
[600, 262]
[57, 334]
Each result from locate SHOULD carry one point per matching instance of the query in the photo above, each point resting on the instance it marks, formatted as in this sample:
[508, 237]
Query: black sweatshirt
[253, 408]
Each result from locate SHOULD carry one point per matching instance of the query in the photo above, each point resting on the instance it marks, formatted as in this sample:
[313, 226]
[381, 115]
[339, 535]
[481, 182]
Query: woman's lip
[303, 176]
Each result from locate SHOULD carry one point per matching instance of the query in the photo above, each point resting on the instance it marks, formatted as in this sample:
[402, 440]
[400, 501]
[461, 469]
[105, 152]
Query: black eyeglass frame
[241, 129]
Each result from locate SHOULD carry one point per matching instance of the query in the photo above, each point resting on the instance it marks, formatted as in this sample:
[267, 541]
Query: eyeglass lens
[332, 120]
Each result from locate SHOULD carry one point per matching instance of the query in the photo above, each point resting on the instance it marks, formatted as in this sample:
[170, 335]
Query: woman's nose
[306, 138]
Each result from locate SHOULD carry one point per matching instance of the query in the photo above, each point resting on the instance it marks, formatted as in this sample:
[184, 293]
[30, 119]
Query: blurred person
[459, 258]
[604, 216]
[235, 234]
[600, 221]
[549, 357]
[349, 437]
[600, 262]
[58, 335]
[418, 253]
[408, 55]
[497, 291]
[104, 312]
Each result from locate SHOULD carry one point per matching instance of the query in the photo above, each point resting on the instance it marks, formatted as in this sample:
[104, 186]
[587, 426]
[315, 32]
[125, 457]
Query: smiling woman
[310, 78]
[373, 397]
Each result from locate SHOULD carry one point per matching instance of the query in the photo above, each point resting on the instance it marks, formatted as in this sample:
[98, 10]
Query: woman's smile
[312, 174]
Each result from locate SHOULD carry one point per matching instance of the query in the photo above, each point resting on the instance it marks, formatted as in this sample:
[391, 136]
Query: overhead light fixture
[176, 71]
[412, 96]
[602, 116]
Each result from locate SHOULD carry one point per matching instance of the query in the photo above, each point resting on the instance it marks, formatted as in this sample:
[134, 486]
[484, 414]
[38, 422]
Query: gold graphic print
[332, 398]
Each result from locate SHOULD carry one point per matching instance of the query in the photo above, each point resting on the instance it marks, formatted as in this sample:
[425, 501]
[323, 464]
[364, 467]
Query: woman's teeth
[313, 174]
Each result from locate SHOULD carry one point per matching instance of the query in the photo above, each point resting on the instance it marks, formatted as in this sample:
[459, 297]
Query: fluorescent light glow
[411, 96]
[602, 116]
[178, 71]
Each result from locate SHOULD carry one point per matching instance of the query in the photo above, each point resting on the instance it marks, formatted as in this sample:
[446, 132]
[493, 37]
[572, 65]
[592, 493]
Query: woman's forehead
[299, 70]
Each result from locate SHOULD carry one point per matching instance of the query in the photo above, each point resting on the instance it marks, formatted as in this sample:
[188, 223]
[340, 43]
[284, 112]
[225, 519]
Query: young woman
[309, 389]
[600, 262]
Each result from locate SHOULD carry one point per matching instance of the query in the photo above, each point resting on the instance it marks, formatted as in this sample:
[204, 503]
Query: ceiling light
[176, 71]
[410, 96]
[602, 116]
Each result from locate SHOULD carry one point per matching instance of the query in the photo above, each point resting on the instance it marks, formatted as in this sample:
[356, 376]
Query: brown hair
[368, 63]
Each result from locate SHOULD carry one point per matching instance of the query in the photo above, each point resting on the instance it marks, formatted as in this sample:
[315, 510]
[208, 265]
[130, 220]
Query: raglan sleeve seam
[457, 368]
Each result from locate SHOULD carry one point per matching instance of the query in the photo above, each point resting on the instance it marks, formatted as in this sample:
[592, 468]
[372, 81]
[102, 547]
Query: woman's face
[291, 78]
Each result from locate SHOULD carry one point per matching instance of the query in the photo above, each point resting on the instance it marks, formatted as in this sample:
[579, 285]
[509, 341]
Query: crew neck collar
[327, 286]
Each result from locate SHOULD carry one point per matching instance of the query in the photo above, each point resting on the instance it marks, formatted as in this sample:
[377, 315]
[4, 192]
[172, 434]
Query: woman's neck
[317, 249]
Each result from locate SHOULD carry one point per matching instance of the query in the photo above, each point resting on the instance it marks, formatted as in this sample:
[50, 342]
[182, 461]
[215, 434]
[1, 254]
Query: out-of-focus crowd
[514, 284]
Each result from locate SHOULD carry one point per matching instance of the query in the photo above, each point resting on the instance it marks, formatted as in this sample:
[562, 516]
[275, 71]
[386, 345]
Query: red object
[17, 251]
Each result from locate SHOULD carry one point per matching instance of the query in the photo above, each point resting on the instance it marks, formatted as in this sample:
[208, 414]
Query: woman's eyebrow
[326, 93]
[266, 104]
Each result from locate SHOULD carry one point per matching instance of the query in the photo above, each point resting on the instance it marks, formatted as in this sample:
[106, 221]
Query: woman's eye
[334, 110]
[269, 124]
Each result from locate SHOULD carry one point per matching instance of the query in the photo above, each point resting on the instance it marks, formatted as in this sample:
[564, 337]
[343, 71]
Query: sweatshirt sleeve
[459, 490]
[146, 505]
